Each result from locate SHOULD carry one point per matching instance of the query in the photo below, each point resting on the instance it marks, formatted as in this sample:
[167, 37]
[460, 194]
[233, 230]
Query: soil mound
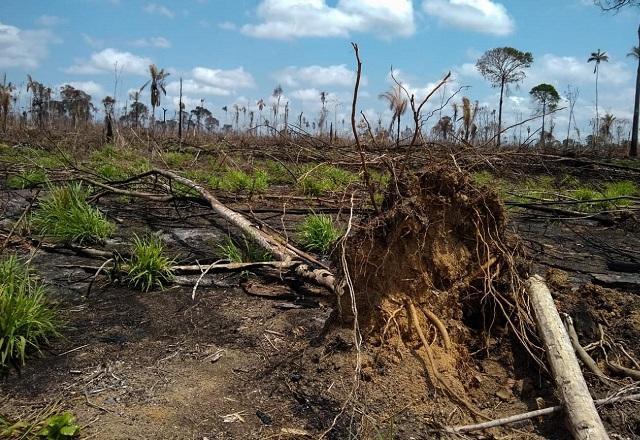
[440, 243]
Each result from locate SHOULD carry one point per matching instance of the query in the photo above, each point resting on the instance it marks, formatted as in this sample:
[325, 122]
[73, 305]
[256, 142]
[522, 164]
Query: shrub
[318, 233]
[148, 266]
[66, 216]
[26, 320]
[243, 250]
[239, 180]
[27, 179]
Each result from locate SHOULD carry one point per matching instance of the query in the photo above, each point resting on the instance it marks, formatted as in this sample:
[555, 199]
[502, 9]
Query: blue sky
[238, 51]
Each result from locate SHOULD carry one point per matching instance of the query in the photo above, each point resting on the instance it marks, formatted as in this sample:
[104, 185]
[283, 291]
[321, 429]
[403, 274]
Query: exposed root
[434, 376]
[446, 340]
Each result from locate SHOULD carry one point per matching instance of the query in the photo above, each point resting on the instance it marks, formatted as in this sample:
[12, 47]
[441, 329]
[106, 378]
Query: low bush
[26, 319]
[318, 233]
[65, 216]
[148, 266]
[315, 180]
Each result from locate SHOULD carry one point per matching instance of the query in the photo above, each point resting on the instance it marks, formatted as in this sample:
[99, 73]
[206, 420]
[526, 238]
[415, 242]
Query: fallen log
[279, 251]
[581, 415]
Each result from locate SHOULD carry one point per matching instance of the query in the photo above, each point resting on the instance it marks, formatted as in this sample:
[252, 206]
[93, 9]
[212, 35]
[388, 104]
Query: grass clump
[318, 232]
[239, 180]
[117, 163]
[315, 180]
[149, 267]
[176, 159]
[66, 216]
[26, 320]
[243, 250]
[27, 179]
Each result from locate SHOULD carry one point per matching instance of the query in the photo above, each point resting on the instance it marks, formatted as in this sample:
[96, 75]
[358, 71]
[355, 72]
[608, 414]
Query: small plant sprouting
[149, 267]
[66, 216]
[318, 232]
[26, 320]
[60, 427]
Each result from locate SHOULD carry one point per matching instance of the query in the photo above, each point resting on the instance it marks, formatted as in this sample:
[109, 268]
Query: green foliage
[243, 250]
[239, 180]
[176, 159]
[278, 174]
[483, 178]
[118, 163]
[318, 232]
[60, 427]
[26, 320]
[315, 180]
[27, 179]
[546, 96]
[149, 267]
[624, 188]
[66, 216]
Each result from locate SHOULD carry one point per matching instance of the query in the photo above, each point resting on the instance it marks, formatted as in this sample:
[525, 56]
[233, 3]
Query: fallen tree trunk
[581, 414]
[280, 251]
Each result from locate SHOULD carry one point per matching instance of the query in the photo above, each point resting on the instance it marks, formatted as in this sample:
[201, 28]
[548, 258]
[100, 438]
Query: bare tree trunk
[180, 114]
[500, 114]
[633, 151]
[582, 417]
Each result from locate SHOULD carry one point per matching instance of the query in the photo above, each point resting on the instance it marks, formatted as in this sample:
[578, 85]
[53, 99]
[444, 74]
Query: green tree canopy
[546, 96]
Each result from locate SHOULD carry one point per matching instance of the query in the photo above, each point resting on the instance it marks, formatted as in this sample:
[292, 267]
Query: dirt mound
[440, 243]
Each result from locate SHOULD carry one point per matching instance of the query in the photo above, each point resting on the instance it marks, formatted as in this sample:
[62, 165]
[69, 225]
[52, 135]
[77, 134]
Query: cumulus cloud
[154, 8]
[212, 82]
[484, 16]
[337, 75]
[23, 48]
[287, 19]
[158, 42]
[562, 70]
[227, 79]
[106, 60]
[195, 88]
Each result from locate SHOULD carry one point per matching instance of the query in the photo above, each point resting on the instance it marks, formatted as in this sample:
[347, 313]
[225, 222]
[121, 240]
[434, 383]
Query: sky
[230, 52]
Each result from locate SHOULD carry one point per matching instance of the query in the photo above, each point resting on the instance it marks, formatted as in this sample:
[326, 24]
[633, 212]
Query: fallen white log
[581, 415]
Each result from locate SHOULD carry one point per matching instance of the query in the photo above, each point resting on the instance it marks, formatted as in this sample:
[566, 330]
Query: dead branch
[532, 415]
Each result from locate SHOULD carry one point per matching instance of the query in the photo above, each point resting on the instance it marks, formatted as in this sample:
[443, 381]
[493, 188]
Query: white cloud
[484, 16]
[563, 70]
[338, 75]
[23, 48]
[91, 87]
[49, 20]
[158, 42]
[192, 87]
[286, 19]
[105, 61]
[227, 79]
[154, 8]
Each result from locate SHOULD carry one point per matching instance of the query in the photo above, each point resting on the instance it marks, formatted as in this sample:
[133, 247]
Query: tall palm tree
[277, 94]
[156, 82]
[633, 150]
[597, 58]
[397, 104]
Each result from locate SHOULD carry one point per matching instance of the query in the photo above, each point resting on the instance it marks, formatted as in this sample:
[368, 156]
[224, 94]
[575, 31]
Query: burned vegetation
[161, 283]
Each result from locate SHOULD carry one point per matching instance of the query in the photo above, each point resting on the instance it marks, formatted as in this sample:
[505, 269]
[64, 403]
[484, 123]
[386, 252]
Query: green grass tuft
[318, 233]
[66, 216]
[27, 179]
[315, 180]
[243, 250]
[149, 267]
[239, 180]
[26, 320]
[175, 159]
